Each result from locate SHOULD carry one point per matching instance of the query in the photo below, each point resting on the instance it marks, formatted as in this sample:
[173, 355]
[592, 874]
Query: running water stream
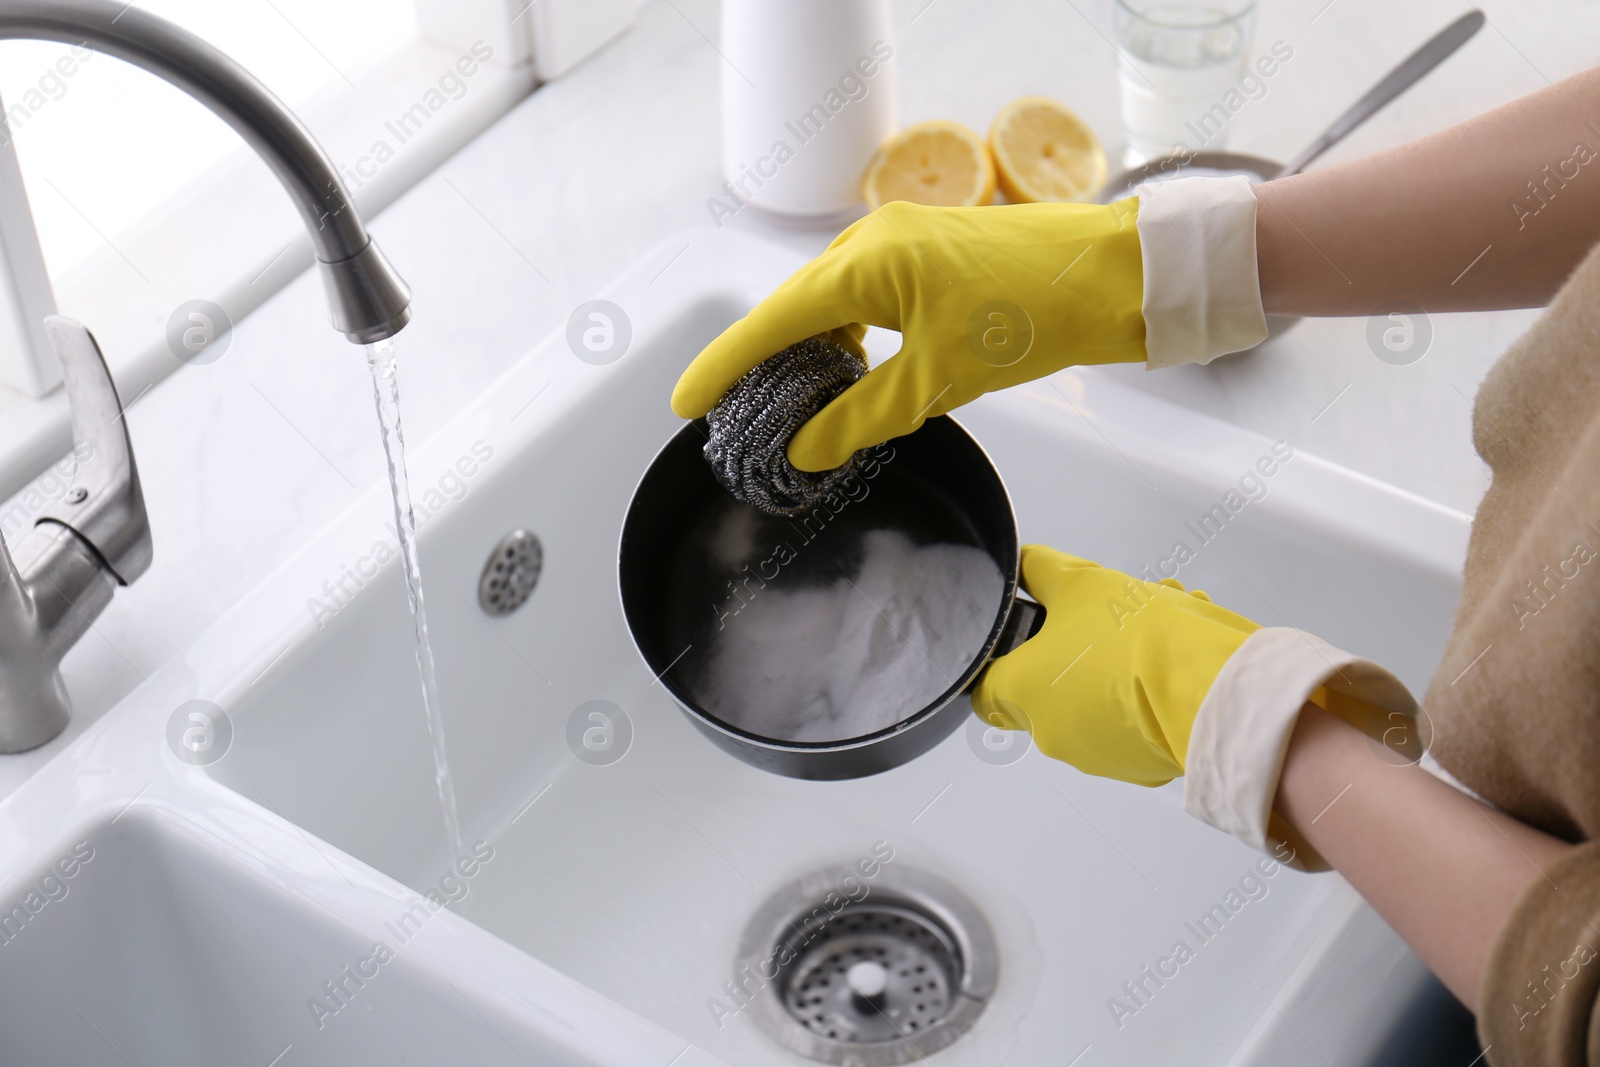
[386, 392]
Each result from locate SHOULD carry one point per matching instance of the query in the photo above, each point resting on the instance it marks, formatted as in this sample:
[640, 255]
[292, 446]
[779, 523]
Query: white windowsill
[235, 238]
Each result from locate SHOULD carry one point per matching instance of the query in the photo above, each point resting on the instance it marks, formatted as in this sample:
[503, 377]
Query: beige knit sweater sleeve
[1544, 975]
[1516, 701]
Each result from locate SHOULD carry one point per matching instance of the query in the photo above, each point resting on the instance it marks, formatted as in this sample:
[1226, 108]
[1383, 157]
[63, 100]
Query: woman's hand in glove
[983, 298]
[1112, 682]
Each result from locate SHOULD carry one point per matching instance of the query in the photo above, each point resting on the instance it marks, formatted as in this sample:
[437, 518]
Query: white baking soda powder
[838, 661]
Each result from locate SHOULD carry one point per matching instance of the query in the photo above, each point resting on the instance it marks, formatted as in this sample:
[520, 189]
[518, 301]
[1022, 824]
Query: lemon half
[1044, 152]
[939, 163]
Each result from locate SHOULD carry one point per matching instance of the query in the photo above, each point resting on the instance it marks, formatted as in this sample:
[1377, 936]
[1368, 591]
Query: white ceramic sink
[633, 880]
[157, 942]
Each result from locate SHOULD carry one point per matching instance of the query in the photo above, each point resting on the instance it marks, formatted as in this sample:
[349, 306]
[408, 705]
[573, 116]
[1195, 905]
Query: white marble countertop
[245, 459]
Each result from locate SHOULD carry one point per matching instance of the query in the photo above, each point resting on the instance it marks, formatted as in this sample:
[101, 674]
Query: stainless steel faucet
[97, 536]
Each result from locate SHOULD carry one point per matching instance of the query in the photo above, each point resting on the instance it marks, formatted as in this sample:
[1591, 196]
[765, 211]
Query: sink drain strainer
[889, 977]
[510, 573]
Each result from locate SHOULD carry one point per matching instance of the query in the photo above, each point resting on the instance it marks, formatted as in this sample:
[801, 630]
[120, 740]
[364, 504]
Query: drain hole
[510, 573]
[888, 978]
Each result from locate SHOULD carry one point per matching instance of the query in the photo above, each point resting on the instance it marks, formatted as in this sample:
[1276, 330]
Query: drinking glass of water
[1178, 60]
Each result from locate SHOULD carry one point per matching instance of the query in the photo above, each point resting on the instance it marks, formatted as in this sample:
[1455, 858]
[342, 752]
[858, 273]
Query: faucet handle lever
[105, 505]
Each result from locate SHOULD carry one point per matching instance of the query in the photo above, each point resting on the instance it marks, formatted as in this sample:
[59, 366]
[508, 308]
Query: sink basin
[149, 937]
[622, 882]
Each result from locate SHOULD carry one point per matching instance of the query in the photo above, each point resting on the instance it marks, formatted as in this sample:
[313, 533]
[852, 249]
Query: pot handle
[1025, 619]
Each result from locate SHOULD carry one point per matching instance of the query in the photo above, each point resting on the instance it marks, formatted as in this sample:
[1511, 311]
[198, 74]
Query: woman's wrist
[1322, 760]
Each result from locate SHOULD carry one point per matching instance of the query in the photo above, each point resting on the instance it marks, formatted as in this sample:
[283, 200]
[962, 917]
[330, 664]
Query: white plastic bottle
[808, 94]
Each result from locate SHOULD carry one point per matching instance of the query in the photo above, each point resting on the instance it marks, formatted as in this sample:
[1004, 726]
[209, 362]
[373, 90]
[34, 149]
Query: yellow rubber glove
[1112, 682]
[983, 298]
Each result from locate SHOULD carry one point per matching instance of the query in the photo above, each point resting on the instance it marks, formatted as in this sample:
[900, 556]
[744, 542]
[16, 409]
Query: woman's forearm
[1493, 213]
[1441, 868]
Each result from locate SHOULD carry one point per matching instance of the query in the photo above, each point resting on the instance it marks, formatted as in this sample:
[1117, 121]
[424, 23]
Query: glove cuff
[1241, 732]
[1202, 294]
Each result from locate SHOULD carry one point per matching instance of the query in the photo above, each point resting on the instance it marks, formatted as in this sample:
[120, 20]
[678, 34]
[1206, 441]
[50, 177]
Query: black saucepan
[935, 486]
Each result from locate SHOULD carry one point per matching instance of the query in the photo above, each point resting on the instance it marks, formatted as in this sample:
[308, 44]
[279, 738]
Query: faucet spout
[63, 573]
[368, 300]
